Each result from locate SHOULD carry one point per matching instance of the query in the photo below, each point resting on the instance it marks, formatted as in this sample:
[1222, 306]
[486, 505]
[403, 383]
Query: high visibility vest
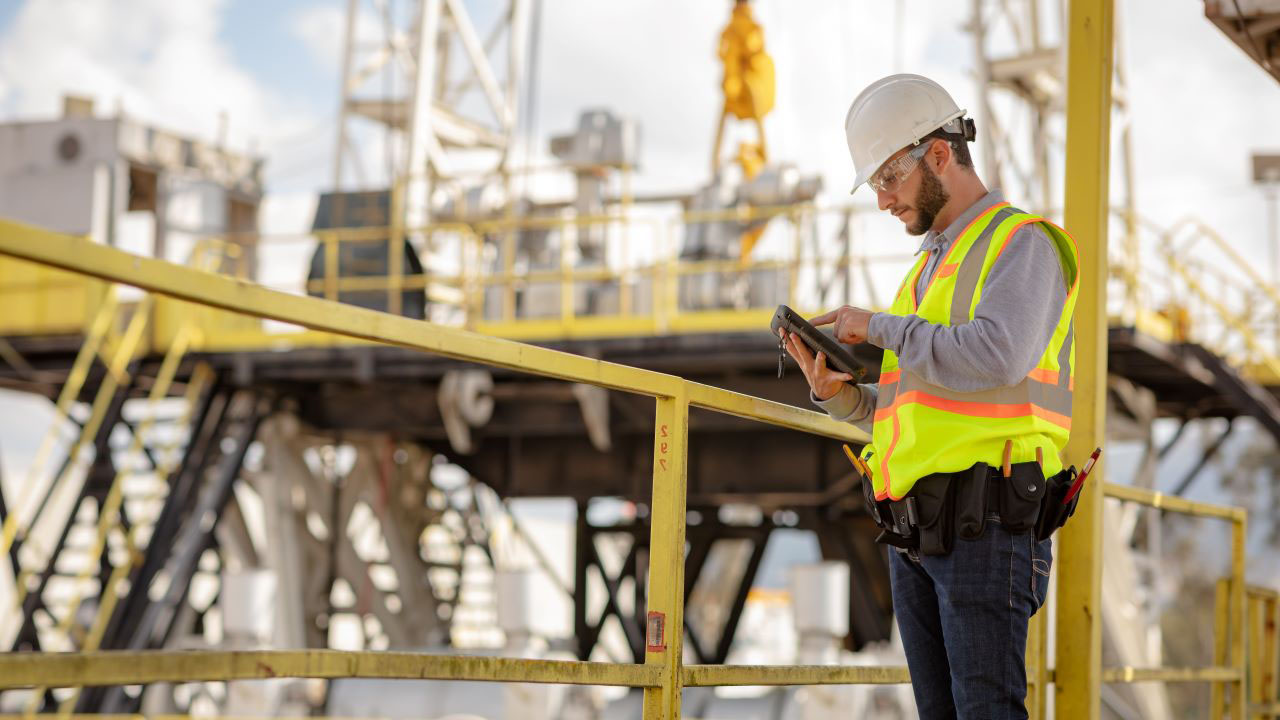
[921, 428]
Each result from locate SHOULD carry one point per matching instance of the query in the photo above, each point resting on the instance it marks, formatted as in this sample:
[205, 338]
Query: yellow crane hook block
[748, 70]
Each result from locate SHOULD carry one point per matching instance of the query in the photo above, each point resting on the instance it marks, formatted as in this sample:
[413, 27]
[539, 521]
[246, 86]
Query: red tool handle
[1084, 473]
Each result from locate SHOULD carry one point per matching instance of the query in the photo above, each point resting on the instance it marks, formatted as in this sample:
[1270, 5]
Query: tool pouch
[935, 506]
[873, 507]
[1021, 497]
[971, 501]
[1053, 513]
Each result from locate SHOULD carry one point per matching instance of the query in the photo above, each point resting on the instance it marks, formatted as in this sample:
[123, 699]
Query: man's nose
[884, 200]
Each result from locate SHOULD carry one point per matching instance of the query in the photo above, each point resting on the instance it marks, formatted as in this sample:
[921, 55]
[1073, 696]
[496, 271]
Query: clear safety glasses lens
[889, 177]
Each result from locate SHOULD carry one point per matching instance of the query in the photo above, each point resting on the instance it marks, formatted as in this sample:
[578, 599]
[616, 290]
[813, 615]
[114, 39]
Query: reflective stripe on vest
[921, 428]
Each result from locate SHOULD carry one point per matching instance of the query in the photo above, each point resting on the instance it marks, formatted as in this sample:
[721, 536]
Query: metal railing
[1194, 286]
[663, 673]
[1264, 663]
[1230, 641]
[482, 275]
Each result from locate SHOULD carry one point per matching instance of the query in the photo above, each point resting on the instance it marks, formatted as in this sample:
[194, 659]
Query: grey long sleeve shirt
[1013, 323]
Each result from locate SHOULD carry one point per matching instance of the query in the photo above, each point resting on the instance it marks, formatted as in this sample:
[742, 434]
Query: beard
[930, 199]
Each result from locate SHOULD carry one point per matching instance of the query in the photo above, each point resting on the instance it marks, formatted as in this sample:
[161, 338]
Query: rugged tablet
[838, 358]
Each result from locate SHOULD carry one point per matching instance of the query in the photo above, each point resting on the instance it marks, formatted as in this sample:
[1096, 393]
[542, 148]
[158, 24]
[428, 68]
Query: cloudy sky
[1199, 106]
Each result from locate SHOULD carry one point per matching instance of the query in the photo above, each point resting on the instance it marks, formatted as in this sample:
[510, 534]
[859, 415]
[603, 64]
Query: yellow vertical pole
[664, 629]
[330, 265]
[395, 245]
[671, 285]
[626, 275]
[1078, 662]
[1037, 659]
[797, 253]
[1270, 619]
[567, 299]
[1220, 612]
[1237, 613]
[508, 275]
[1254, 635]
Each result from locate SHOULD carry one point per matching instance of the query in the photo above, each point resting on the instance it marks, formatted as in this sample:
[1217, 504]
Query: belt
[905, 514]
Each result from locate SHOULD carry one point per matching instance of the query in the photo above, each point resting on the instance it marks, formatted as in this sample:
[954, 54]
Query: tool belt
[944, 506]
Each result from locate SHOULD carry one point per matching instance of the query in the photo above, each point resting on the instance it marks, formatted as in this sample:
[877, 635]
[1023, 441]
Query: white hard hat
[892, 113]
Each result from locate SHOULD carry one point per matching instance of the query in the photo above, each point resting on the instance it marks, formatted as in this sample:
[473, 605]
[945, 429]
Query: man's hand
[850, 323]
[824, 381]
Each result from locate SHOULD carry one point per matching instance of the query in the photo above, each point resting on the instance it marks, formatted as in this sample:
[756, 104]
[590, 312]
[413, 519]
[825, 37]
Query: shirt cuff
[852, 404]
[840, 405]
[886, 331]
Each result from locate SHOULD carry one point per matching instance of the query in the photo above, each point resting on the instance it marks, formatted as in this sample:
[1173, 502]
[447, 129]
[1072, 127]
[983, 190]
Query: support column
[1086, 187]
[666, 556]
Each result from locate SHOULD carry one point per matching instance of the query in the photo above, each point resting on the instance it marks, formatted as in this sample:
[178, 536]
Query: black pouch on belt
[1053, 512]
[1021, 496]
[971, 501]
[935, 497]
[869, 497]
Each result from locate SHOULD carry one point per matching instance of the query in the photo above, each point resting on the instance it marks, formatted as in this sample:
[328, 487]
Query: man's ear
[939, 155]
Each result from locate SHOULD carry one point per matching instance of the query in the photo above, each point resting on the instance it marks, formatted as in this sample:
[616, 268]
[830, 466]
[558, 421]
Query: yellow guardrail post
[1239, 695]
[1256, 638]
[1269, 656]
[664, 626]
[1217, 693]
[1078, 665]
[1037, 664]
[671, 276]
[330, 265]
[395, 245]
[797, 252]
[566, 277]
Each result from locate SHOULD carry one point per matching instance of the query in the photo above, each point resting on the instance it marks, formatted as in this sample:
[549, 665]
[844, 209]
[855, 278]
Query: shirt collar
[941, 240]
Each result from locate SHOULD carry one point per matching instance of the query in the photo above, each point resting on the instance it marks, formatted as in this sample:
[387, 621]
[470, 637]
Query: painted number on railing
[662, 448]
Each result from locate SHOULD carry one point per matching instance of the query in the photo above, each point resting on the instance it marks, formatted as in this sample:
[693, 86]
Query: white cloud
[161, 61]
[165, 64]
[322, 27]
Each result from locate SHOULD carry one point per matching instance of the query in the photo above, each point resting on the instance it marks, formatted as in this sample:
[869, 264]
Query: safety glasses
[891, 175]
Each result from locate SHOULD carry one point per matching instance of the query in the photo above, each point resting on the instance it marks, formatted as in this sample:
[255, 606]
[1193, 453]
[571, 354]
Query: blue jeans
[963, 619]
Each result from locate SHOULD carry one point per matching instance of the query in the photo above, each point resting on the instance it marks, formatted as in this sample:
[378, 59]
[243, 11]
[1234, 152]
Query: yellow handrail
[1229, 627]
[662, 675]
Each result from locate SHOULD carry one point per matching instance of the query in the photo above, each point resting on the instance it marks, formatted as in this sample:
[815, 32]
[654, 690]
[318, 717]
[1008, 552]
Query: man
[972, 407]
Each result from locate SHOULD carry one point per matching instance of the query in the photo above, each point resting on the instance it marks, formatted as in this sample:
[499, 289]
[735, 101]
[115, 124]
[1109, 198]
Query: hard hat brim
[862, 179]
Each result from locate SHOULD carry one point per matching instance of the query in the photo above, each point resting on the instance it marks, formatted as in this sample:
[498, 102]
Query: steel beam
[1205, 456]
[207, 429]
[1090, 48]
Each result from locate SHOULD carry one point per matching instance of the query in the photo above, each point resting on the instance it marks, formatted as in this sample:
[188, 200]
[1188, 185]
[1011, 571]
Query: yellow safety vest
[921, 428]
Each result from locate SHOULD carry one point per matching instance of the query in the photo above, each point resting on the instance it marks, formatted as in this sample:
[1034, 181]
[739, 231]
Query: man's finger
[800, 352]
[825, 318]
